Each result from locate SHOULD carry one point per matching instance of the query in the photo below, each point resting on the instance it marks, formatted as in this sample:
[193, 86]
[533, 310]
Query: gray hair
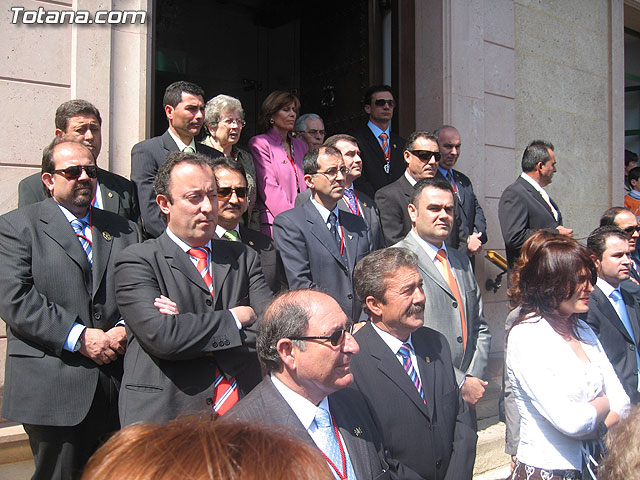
[287, 316]
[217, 105]
[371, 273]
[301, 122]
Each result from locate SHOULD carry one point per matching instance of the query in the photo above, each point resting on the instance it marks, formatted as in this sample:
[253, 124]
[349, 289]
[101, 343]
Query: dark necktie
[333, 220]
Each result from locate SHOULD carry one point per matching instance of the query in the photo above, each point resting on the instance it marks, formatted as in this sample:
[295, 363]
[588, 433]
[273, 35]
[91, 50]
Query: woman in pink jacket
[278, 157]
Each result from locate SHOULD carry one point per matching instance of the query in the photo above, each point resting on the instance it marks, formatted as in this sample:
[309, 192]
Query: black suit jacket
[373, 175]
[270, 260]
[471, 213]
[146, 158]
[170, 364]
[118, 193]
[368, 210]
[312, 259]
[393, 201]
[522, 211]
[48, 285]
[267, 406]
[433, 440]
[616, 341]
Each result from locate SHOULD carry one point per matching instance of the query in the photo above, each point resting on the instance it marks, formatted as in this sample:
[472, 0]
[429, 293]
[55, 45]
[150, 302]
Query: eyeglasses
[336, 338]
[381, 103]
[225, 192]
[230, 121]
[631, 230]
[332, 173]
[74, 172]
[316, 132]
[425, 155]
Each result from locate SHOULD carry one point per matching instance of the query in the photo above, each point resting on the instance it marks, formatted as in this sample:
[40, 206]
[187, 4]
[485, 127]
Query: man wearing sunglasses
[305, 343]
[381, 149]
[232, 204]
[319, 243]
[65, 333]
[405, 374]
[625, 220]
[189, 301]
[80, 121]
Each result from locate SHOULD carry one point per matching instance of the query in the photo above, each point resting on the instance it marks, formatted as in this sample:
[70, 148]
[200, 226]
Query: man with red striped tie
[188, 301]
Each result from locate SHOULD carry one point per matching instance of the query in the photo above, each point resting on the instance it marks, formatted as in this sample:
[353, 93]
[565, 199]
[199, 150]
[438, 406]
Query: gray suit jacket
[265, 405]
[368, 211]
[312, 259]
[442, 314]
[47, 285]
[146, 158]
[171, 360]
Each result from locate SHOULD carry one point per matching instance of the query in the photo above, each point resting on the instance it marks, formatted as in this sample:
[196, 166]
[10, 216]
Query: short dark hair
[287, 316]
[173, 93]
[274, 102]
[411, 140]
[229, 163]
[375, 89]
[597, 240]
[48, 164]
[341, 137]
[162, 182]
[310, 159]
[536, 152]
[371, 273]
[634, 173]
[629, 157]
[67, 110]
[434, 182]
[610, 214]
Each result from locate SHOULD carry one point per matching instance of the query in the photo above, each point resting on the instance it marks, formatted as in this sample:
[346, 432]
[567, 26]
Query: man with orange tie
[381, 150]
[453, 303]
[188, 301]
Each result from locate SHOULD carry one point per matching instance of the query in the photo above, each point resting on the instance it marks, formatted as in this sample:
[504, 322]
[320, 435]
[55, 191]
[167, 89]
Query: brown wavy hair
[274, 102]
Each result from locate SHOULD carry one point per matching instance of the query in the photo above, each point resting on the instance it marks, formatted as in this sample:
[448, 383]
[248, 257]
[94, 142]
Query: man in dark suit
[525, 207]
[319, 244]
[381, 150]
[65, 336]
[471, 213]
[454, 304]
[184, 107]
[614, 313]
[353, 201]
[305, 344]
[188, 301]
[232, 204]
[80, 121]
[625, 219]
[421, 156]
[405, 374]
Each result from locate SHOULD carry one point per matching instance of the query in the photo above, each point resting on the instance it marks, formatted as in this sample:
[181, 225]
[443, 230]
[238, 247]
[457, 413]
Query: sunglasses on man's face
[381, 102]
[225, 192]
[425, 155]
[74, 172]
[631, 230]
[336, 338]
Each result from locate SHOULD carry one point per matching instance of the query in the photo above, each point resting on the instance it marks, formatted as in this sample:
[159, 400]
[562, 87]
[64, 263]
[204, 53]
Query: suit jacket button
[438, 463]
[459, 339]
[215, 344]
[208, 302]
[632, 347]
[350, 296]
[227, 342]
[209, 401]
[454, 304]
[97, 315]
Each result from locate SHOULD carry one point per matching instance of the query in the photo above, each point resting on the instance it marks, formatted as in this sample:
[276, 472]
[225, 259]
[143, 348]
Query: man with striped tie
[189, 301]
[65, 336]
[405, 374]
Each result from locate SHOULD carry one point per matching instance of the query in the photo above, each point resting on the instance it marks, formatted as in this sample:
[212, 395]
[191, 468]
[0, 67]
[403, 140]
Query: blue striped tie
[78, 226]
[405, 352]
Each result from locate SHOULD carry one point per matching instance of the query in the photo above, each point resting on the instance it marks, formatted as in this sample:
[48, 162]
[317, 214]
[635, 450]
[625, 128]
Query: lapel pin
[110, 194]
[357, 431]
[350, 237]
[427, 359]
[251, 243]
[107, 236]
[364, 204]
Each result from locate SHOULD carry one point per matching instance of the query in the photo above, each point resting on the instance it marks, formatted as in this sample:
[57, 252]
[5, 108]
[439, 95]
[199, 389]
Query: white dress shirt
[181, 145]
[394, 344]
[542, 192]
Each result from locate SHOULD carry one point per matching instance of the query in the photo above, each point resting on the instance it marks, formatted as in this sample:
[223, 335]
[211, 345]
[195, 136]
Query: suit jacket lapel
[321, 232]
[220, 266]
[168, 143]
[630, 303]
[357, 448]
[110, 200]
[427, 266]
[535, 194]
[604, 307]
[181, 261]
[351, 240]
[427, 372]
[102, 243]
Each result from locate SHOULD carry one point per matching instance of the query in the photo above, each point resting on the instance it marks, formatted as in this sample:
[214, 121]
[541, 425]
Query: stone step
[490, 450]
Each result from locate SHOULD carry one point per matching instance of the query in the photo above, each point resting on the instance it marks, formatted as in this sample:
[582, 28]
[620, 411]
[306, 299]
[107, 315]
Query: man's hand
[118, 336]
[166, 305]
[472, 390]
[96, 345]
[245, 315]
[474, 245]
[565, 231]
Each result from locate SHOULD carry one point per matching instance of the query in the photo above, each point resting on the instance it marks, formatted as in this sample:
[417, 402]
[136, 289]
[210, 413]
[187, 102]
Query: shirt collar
[185, 247]
[377, 130]
[392, 342]
[220, 231]
[180, 143]
[605, 286]
[430, 249]
[324, 211]
[532, 182]
[70, 216]
[303, 408]
[444, 171]
[409, 178]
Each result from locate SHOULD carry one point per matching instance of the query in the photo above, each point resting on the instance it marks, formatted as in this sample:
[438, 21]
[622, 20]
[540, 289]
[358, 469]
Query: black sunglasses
[336, 338]
[74, 172]
[425, 155]
[631, 230]
[381, 102]
[225, 192]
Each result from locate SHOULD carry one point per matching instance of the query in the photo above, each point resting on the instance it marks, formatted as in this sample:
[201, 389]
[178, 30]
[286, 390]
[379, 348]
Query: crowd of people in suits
[321, 285]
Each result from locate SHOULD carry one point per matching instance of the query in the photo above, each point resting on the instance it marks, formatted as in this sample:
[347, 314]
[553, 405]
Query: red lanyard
[343, 474]
[341, 240]
[293, 163]
[357, 211]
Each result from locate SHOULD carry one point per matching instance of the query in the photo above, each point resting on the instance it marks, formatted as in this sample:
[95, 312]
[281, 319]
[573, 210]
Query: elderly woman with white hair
[224, 121]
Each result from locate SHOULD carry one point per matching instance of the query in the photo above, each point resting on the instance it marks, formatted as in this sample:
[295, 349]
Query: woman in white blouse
[565, 388]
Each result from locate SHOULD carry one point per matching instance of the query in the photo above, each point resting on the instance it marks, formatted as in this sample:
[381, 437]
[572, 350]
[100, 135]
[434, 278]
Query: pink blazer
[276, 183]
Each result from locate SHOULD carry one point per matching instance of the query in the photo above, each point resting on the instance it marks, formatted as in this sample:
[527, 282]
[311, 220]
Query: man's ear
[47, 179]
[374, 305]
[367, 109]
[413, 213]
[308, 179]
[163, 202]
[597, 262]
[168, 111]
[287, 353]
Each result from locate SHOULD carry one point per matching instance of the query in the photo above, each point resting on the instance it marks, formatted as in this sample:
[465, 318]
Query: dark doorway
[248, 48]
